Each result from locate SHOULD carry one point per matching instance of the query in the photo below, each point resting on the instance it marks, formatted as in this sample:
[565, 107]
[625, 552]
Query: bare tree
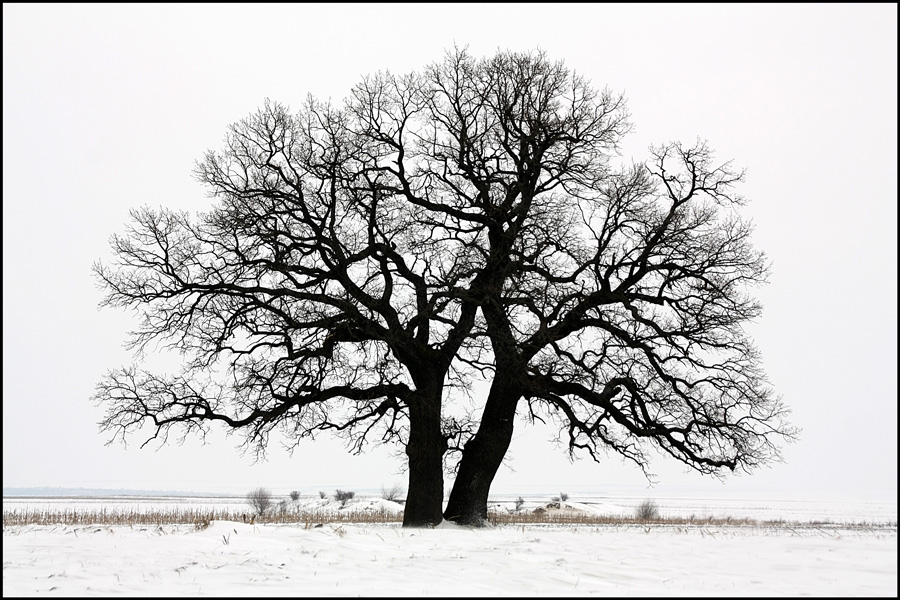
[260, 500]
[362, 262]
[646, 511]
[393, 493]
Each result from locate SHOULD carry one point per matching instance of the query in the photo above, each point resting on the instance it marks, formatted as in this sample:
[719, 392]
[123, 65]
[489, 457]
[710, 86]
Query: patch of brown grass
[189, 516]
[582, 518]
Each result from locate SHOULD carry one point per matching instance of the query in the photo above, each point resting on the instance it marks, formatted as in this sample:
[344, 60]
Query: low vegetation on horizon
[200, 518]
[553, 513]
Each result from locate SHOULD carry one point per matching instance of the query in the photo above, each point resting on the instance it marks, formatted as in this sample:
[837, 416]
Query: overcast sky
[106, 107]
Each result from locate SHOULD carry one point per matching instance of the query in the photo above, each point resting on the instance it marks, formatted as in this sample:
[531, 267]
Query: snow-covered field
[233, 558]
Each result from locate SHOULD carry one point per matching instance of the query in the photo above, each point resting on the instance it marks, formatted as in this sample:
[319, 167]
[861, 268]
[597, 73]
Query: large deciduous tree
[362, 261]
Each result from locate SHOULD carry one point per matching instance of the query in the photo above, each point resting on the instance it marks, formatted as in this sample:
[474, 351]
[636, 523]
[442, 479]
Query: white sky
[106, 107]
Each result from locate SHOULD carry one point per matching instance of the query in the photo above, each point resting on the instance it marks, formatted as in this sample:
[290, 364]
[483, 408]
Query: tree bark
[425, 450]
[483, 454]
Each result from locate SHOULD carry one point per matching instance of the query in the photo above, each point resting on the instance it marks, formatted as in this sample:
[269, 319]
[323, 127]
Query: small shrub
[295, 496]
[563, 496]
[393, 494]
[519, 502]
[342, 496]
[646, 511]
[260, 500]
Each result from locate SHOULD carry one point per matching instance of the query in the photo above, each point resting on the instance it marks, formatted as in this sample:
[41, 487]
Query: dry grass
[201, 518]
[579, 518]
[188, 516]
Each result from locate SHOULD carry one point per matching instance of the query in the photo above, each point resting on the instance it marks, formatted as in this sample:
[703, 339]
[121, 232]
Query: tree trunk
[425, 451]
[483, 454]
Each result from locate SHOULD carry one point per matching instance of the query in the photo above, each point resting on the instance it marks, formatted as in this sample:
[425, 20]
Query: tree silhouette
[363, 262]
[260, 500]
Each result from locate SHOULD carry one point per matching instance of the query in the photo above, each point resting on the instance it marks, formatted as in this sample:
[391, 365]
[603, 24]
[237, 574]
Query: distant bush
[563, 496]
[342, 496]
[260, 500]
[519, 502]
[392, 494]
[322, 494]
[646, 511]
[295, 496]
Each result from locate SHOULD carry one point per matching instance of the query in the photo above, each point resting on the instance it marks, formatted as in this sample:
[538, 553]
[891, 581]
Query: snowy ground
[238, 559]
[232, 558]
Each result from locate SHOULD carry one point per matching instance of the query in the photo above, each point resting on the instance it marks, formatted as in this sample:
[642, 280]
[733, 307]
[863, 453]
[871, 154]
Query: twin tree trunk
[481, 457]
[425, 450]
[483, 454]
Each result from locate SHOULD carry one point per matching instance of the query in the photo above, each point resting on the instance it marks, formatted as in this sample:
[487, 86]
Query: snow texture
[233, 558]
